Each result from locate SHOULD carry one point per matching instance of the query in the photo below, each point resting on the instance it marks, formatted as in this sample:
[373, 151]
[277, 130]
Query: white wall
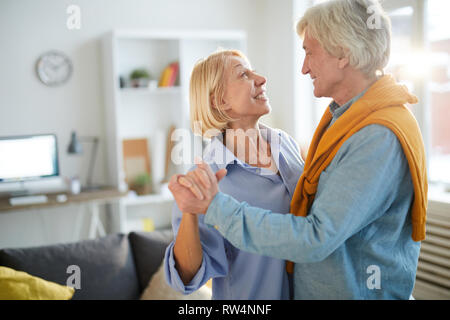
[30, 27]
[290, 91]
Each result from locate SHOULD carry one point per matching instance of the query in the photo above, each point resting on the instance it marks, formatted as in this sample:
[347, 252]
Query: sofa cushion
[159, 289]
[19, 285]
[148, 251]
[106, 266]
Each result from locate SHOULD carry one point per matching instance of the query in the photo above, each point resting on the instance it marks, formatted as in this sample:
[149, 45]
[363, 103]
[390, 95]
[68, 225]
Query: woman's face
[245, 91]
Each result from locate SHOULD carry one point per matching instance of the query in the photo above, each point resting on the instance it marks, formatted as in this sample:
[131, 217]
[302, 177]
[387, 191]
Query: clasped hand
[194, 191]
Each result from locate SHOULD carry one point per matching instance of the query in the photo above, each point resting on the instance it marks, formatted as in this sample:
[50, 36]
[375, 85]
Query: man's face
[324, 69]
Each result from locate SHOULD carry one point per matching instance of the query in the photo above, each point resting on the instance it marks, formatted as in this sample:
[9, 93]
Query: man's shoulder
[371, 141]
[374, 132]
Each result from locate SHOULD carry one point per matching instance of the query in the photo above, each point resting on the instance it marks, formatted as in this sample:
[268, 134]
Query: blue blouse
[237, 274]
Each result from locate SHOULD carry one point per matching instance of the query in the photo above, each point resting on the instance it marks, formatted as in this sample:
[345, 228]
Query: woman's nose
[260, 80]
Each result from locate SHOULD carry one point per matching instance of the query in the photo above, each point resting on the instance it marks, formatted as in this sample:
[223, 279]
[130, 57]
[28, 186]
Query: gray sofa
[117, 266]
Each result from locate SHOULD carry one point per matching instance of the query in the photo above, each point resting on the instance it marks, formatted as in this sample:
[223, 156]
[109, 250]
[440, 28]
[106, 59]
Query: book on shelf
[164, 76]
[174, 73]
[169, 75]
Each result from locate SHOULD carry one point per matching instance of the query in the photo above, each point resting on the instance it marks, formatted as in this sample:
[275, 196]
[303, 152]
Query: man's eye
[244, 74]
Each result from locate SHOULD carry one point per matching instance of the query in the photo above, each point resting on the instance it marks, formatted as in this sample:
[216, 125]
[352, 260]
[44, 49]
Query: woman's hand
[194, 191]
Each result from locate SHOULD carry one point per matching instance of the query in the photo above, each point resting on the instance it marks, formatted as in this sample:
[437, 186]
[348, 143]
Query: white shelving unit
[150, 112]
[147, 199]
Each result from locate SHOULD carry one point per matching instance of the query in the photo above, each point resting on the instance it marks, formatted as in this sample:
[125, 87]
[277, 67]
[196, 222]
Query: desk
[93, 199]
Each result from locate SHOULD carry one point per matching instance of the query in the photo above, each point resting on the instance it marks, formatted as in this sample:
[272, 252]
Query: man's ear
[343, 62]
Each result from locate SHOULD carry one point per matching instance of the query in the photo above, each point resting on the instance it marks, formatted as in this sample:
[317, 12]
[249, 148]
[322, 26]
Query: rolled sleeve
[174, 279]
[214, 261]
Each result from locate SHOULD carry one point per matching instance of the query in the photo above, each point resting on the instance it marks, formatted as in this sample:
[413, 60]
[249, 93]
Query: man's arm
[358, 191]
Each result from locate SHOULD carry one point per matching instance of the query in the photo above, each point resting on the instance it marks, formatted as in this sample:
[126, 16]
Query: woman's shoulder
[283, 136]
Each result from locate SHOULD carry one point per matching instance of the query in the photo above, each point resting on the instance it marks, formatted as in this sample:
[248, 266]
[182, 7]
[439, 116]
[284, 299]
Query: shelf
[150, 111]
[147, 199]
[156, 91]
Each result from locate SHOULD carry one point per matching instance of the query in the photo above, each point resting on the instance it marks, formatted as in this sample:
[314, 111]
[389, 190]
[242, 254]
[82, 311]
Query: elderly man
[358, 211]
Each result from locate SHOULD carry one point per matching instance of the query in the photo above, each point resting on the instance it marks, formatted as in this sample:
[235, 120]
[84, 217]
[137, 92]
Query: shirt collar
[216, 152]
[337, 110]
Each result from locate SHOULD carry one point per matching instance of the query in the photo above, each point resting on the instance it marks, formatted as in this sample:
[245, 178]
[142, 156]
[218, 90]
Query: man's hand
[194, 191]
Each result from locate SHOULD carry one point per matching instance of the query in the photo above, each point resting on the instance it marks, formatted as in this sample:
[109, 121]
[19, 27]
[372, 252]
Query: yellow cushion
[18, 285]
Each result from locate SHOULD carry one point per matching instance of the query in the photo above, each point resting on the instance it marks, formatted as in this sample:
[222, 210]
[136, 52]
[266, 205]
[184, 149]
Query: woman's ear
[223, 106]
[212, 99]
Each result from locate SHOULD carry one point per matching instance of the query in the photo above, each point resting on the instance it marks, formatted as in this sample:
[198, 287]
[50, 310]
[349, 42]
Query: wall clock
[54, 68]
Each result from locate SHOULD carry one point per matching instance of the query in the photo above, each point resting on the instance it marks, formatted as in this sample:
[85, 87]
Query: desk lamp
[75, 147]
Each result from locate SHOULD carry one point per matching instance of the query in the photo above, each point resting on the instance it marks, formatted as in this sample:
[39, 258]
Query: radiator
[433, 271]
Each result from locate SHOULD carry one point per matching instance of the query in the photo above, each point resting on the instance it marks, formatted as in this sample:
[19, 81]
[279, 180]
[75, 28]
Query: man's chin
[317, 93]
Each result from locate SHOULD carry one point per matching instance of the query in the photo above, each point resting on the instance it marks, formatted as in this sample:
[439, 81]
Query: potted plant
[142, 184]
[139, 78]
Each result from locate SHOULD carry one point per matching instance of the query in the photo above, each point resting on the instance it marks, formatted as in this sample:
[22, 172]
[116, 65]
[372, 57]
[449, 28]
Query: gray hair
[357, 29]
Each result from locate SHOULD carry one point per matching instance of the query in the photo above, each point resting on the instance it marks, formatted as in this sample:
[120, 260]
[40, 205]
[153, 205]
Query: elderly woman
[358, 211]
[227, 99]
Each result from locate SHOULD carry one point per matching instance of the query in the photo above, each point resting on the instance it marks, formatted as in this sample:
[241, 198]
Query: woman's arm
[213, 263]
[188, 249]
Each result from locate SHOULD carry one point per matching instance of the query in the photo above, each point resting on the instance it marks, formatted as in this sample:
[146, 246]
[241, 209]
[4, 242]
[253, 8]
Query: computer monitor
[29, 164]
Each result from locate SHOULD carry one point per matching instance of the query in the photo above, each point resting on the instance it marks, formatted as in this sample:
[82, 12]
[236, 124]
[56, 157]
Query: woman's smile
[261, 96]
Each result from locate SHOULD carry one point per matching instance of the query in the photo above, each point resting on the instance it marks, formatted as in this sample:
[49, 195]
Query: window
[421, 59]
[439, 87]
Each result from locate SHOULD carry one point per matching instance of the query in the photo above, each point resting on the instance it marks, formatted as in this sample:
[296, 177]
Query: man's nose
[305, 67]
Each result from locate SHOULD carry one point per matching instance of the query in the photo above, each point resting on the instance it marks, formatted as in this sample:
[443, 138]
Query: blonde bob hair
[357, 29]
[206, 90]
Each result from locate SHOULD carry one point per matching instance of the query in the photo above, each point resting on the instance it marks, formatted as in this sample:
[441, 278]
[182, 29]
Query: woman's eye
[244, 74]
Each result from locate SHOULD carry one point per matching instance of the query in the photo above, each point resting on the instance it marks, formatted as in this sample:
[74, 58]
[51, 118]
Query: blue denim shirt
[356, 241]
[238, 274]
